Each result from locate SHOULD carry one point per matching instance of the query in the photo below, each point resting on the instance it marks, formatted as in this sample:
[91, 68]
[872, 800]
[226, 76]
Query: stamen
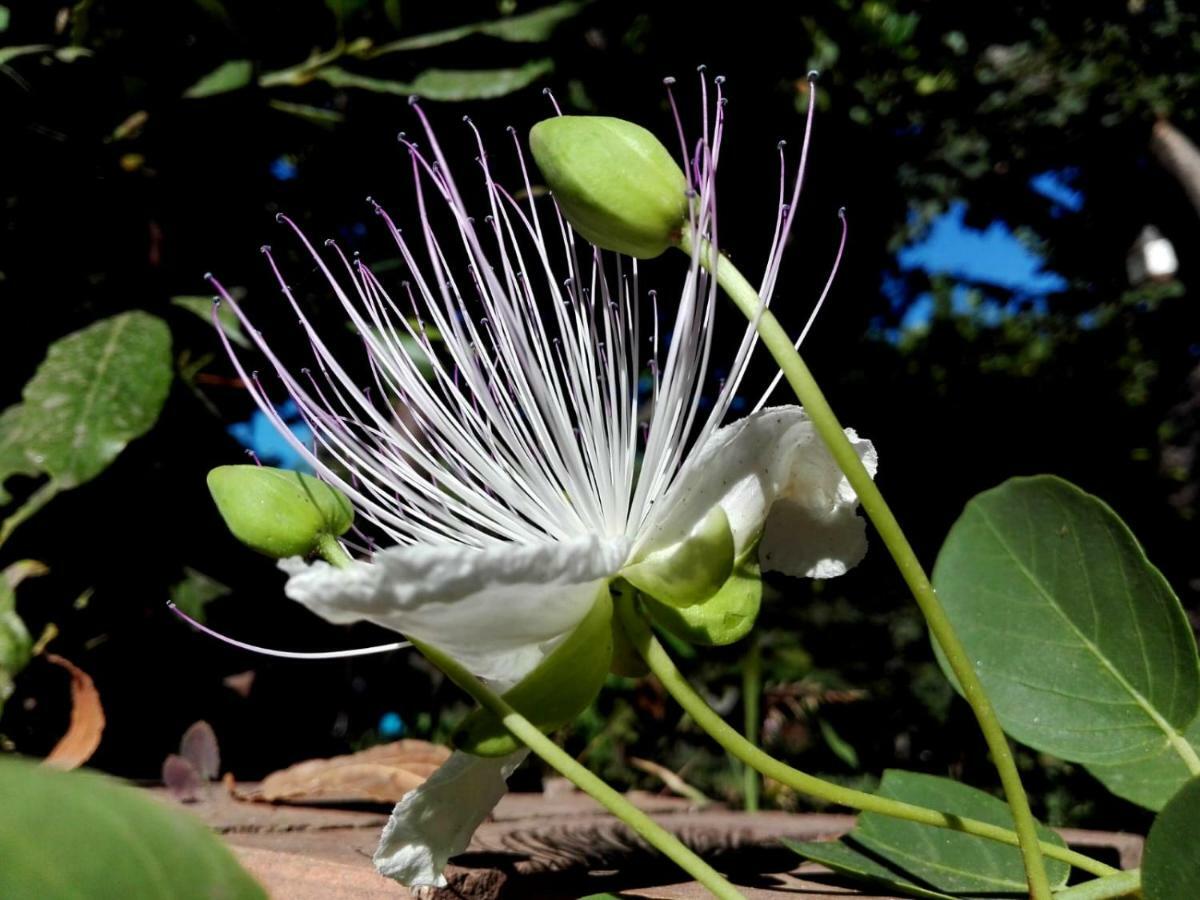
[286, 654]
[546, 92]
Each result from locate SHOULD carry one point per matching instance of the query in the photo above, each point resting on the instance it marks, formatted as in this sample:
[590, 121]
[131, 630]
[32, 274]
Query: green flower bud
[278, 512]
[613, 180]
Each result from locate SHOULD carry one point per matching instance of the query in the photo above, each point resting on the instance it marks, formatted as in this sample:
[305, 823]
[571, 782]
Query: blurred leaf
[936, 858]
[216, 10]
[16, 646]
[66, 835]
[841, 748]
[1076, 636]
[344, 9]
[314, 114]
[195, 591]
[444, 84]
[96, 390]
[199, 747]
[14, 460]
[392, 10]
[4, 17]
[1171, 866]
[531, 27]
[203, 307]
[8, 54]
[87, 719]
[230, 76]
[1150, 782]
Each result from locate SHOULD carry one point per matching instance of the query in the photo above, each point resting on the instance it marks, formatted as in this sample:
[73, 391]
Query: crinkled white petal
[774, 478]
[497, 610]
[435, 821]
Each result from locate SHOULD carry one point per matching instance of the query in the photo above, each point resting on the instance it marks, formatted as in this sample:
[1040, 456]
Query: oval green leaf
[96, 390]
[1079, 641]
[1152, 781]
[554, 693]
[443, 84]
[938, 860]
[229, 76]
[1171, 866]
[66, 835]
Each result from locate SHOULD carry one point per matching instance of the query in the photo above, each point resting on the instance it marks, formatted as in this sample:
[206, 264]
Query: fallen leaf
[381, 774]
[240, 683]
[181, 778]
[87, 720]
[199, 747]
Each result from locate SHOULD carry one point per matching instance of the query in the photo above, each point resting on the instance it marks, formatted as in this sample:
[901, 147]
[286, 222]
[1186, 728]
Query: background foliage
[149, 143]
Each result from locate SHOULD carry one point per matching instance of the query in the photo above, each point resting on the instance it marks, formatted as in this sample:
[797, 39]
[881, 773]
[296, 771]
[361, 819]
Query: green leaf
[554, 693]
[1152, 781]
[4, 17]
[14, 459]
[444, 84]
[229, 76]
[316, 115]
[203, 307]
[67, 835]
[96, 390]
[195, 591]
[1171, 866]
[530, 27]
[8, 54]
[344, 9]
[16, 646]
[1079, 641]
[846, 860]
[937, 859]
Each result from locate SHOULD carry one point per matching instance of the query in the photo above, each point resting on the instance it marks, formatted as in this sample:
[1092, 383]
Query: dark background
[922, 104]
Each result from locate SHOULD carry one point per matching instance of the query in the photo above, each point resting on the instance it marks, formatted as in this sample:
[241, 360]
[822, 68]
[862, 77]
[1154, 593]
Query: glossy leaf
[936, 859]
[66, 835]
[1171, 866]
[1079, 641]
[229, 76]
[1152, 781]
[554, 693]
[444, 84]
[530, 27]
[96, 390]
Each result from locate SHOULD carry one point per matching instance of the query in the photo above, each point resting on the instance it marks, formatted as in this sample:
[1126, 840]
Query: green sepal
[626, 661]
[691, 570]
[554, 693]
[278, 512]
[725, 617]
[614, 181]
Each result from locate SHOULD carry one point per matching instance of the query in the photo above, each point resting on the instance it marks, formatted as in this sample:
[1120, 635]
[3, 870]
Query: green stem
[530, 735]
[751, 694]
[36, 501]
[1122, 884]
[779, 343]
[643, 640]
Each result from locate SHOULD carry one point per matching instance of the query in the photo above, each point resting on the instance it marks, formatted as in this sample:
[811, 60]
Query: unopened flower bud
[278, 512]
[614, 181]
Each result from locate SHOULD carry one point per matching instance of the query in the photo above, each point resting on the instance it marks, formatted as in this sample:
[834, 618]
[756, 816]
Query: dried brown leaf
[181, 778]
[381, 774]
[87, 720]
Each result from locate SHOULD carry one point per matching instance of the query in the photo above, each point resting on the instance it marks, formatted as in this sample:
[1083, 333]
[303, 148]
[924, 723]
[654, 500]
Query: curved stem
[1122, 884]
[331, 550]
[779, 343]
[530, 735]
[643, 640]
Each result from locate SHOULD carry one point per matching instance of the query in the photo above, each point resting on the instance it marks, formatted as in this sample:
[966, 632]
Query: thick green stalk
[531, 736]
[751, 695]
[779, 343]
[657, 658]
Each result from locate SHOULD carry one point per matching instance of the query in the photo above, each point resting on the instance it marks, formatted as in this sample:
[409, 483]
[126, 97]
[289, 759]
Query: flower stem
[558, 759]
[779, 343]
[751, 693]
[1122, 884]
[656, 657]
[530, 735]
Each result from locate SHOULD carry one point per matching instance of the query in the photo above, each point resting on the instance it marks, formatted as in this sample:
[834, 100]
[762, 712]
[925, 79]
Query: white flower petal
[435, 821]
[497, 610]
[774, 478]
